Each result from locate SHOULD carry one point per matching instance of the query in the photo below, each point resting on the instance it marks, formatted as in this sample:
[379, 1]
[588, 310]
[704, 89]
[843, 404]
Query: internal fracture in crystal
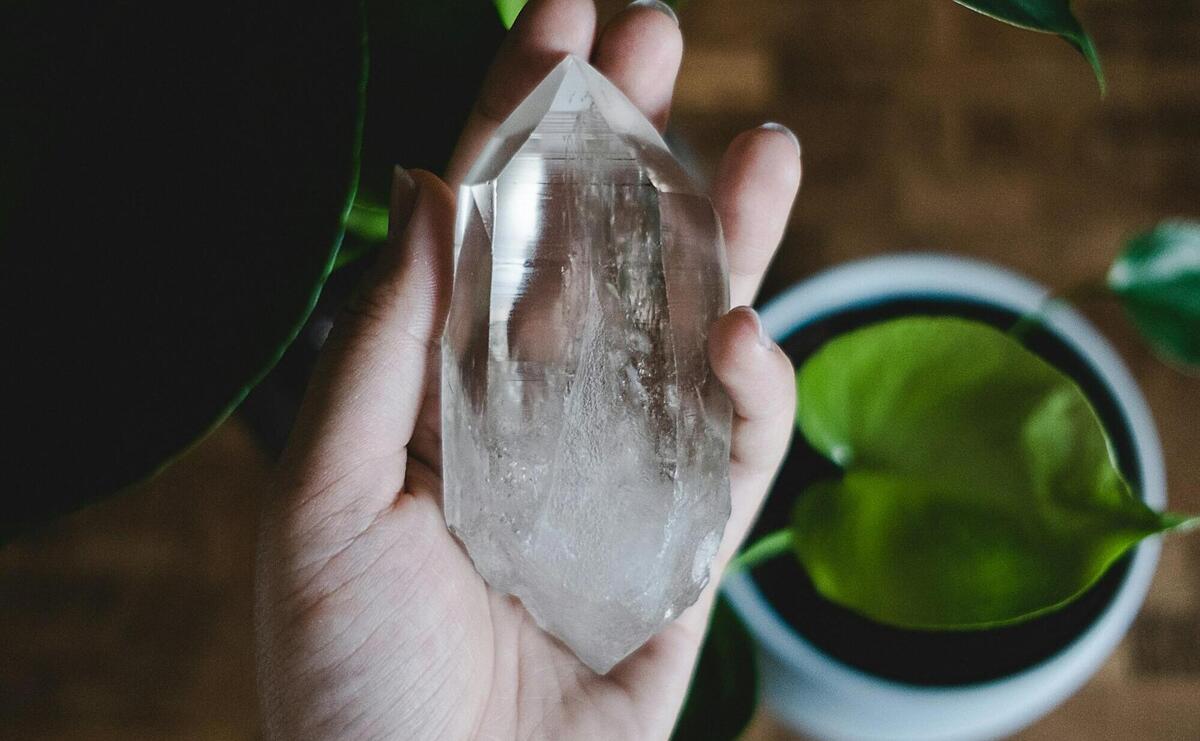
[585, 441]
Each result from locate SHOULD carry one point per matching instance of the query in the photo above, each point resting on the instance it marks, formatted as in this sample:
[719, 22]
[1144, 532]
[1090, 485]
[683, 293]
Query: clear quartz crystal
[585, 440]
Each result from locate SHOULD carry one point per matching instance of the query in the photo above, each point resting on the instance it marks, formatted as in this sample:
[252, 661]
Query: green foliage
[724, 692]
[509, 9]
[172, 191]
[978, 485]
[368, 221]
[1157, 278]
[1048, 16]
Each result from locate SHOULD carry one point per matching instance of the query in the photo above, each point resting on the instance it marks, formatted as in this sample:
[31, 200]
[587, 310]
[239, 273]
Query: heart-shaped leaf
[978, 489]
[173, 185]
[1157, 278]
[724, 691]
[1048, 16]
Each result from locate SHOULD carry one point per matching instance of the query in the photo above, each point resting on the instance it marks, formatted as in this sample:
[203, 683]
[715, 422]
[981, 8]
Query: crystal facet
[585, 441]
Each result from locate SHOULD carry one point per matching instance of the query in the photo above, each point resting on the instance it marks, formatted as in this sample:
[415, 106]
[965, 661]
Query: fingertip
[430, 234]
[768, 155]
[735, 340]
[640, 51]
[645, 27]
[421, 212]
[544, 32]
[431, 186]
[755, 372]
[418, 256]
[401, 201]
[568, 25]
[657, 5]
[778, 128]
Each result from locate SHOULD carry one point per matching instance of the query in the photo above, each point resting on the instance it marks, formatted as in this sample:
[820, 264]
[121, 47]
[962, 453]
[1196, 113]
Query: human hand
[371, 619]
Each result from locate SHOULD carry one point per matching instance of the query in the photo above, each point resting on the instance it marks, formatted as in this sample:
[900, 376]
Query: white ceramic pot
[817, 694]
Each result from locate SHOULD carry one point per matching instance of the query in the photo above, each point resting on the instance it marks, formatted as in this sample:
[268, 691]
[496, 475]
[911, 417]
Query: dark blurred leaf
[427, 64]
[428, 60]
[978, 490]
[1049, 16]
[1157, 278]
[724, 691]
[172, 193]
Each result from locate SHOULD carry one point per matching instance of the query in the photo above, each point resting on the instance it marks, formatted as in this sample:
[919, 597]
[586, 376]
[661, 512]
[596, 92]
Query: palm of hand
[371, 619]
[400, 634]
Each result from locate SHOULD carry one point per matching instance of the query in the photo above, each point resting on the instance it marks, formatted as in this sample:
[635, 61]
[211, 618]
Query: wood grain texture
[928, 127]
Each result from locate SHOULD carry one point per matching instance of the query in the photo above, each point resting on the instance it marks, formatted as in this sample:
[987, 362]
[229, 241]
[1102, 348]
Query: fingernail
[764, 339]
[401, 201]
[658, 5]
[772, 126]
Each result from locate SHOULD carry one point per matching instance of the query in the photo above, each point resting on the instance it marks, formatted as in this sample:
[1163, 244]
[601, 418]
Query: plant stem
[766, 548]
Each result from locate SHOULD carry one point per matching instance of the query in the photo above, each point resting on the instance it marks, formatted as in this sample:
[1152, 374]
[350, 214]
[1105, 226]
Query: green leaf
[724, 691]
[368, 221]
[979, 488]
[1157, 278]
[172, 194]
[1047, 16]
[509, 10]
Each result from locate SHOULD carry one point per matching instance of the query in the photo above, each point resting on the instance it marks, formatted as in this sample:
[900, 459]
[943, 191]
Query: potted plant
[969, 497]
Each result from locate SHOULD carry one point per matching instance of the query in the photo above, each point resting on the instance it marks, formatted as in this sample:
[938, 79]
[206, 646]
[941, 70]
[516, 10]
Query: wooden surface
[132, 619]
[928, 127]
[924, 127]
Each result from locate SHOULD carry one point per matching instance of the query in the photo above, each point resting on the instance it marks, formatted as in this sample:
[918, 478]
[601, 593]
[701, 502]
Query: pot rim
[931, 275]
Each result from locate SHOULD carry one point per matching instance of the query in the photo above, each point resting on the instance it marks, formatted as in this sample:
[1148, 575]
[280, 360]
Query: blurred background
[924, 127]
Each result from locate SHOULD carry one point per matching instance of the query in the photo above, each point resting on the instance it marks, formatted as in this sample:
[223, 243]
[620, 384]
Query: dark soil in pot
[929, 657]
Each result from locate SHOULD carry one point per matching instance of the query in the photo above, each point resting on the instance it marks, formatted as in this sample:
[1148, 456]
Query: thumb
[366, 391]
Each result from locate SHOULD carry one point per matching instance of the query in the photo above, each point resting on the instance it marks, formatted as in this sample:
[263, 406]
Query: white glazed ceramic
[820, 696]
